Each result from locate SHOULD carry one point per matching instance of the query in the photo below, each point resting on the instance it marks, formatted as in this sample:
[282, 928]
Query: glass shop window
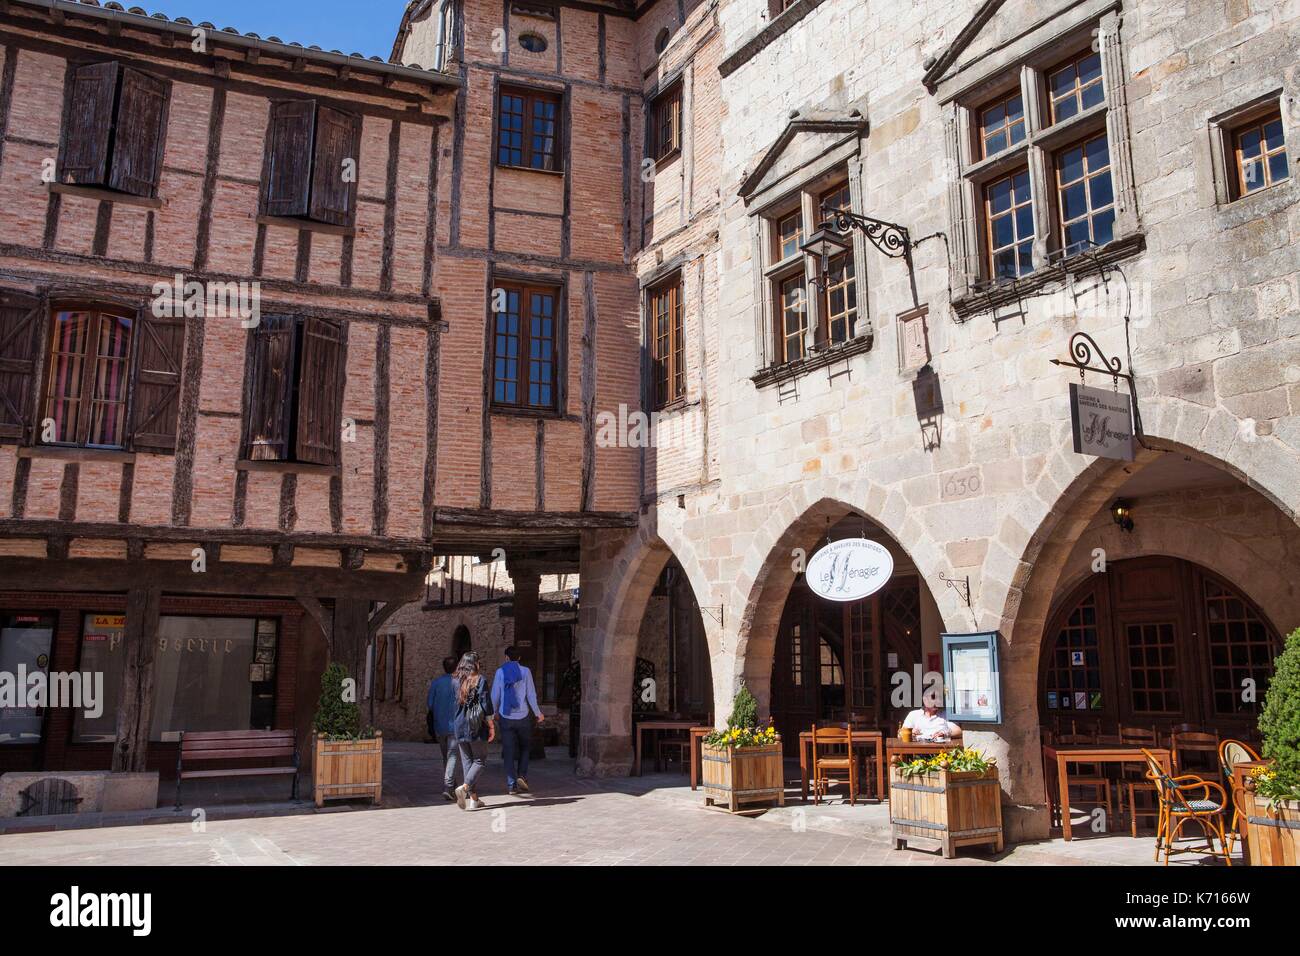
[213, 673]
[101, 653]
[25, 642]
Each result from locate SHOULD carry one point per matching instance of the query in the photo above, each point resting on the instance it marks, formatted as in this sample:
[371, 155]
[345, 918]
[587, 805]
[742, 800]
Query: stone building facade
[937, 422]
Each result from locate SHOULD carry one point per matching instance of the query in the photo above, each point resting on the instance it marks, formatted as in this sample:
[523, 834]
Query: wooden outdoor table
[697, 752]
[644, 725]
[1063, 756]
[872, 737]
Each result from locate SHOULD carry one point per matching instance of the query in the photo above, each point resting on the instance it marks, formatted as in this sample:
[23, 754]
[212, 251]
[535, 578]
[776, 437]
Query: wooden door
[900, 616]
[862, 658]
[796, 672]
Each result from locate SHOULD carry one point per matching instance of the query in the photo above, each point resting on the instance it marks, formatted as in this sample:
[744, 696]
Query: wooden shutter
[337, 140]
[90, 124]
[381, 667]
[20, 322]
[320, 394]
[289, 139]
[271, 380]
[141, 128]
[399, 661]
[155, 406]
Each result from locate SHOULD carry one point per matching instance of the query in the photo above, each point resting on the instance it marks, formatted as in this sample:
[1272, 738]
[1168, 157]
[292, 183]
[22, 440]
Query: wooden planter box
[945, 810]
[345, 769]
[1272, 833]
[736, 776]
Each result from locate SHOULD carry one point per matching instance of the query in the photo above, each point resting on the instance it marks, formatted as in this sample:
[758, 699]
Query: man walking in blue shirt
[513, 697]
[442, 711]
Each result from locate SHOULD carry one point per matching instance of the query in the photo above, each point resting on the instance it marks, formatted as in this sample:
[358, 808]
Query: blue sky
[367, 27]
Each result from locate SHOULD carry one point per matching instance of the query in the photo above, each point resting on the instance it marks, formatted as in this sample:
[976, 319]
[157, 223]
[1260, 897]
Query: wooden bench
[200, 746]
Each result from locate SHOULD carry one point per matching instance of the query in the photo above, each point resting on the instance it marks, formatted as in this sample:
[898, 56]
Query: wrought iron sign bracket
[960, 585]
[717, 612]
[1083, 348]
[889, 238]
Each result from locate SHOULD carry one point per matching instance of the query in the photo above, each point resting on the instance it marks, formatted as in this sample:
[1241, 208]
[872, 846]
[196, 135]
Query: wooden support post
[351, 632]
[140, 645]
[526, 582]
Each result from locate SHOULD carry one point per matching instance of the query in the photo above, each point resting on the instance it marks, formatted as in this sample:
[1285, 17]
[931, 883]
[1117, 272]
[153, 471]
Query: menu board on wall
[972, 688]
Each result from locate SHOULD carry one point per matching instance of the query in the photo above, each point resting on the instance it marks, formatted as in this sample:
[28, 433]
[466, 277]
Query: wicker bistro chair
[1185, 799]
[827, 738]
[1231, 753]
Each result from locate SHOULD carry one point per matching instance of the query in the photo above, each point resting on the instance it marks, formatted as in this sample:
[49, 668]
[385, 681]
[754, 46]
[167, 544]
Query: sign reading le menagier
[849, 569]
[1103, 422]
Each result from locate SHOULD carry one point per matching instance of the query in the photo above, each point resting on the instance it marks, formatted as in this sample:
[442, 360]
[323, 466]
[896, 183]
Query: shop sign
[1102, 421]
[849, 570]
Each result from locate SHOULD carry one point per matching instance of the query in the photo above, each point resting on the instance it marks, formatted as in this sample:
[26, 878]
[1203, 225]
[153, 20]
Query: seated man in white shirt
[929, 723]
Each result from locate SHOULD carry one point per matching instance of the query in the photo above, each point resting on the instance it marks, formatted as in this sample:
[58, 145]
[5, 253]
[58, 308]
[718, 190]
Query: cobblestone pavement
[650, 820]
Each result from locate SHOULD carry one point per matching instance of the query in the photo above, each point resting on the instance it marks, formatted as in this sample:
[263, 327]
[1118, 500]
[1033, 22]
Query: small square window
[528, 129]
[789, 235]
[1002, 125]
[1259, 154]
[1076, 87]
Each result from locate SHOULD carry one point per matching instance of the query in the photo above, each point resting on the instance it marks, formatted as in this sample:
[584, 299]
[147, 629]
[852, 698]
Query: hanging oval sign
[849, 569]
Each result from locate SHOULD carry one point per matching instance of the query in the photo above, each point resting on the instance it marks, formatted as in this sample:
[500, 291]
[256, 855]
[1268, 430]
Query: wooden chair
[676, 748]
[1232, 752]
[1135, 780]
[1188, 745]
[833, 738]
[1180, 804]
[1088, 776]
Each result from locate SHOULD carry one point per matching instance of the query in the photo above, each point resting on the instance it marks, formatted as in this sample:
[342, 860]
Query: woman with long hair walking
[473, 728]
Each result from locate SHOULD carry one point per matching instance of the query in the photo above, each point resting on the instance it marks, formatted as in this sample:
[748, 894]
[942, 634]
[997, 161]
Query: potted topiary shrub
[742, 764]
[349, 762]
[945, 800]
[1271, 811]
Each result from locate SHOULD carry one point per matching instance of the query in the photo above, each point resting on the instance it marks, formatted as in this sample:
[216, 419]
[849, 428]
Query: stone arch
[1020, 583]
[798, 522]
[610, 615]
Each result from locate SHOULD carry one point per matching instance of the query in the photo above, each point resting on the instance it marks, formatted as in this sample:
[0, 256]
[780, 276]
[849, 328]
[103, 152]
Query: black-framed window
[26, 641]
[529, 128]
[666, 124]
[525, 356]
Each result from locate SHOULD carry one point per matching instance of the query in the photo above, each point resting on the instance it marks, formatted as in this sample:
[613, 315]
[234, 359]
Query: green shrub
[744, 710]
[1279, 724]
[336, 718]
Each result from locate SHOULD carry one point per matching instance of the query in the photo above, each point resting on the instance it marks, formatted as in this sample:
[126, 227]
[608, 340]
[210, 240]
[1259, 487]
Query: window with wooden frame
[1085, 195]
[1259, 153]
[807, 317]
[1001, 124]
[115, 129]
[839, 300]
[296, 373]
[311, 163]
[1075, 87]
[666, 124]
[667, 350]
[1040, 181]
[528, 128]
[524, 348]
[111, 374]
[1009, 217]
